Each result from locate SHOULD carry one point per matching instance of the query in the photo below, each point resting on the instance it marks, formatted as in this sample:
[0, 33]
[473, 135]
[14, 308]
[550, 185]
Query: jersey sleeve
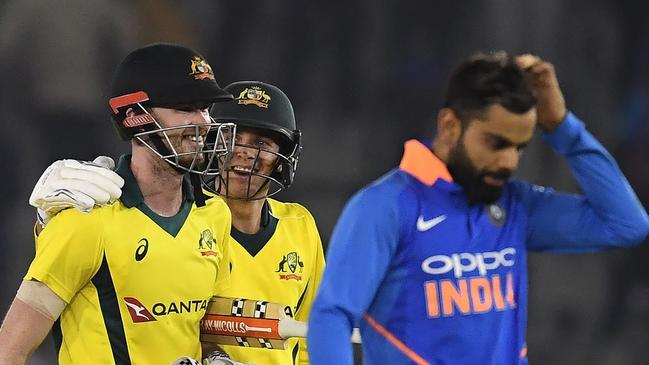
[68, 252]
[315, 278]
[608, 214]
[361, 248]
[222, 231]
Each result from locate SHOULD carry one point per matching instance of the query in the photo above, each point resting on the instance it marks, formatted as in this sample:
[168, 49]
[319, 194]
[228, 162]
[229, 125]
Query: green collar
[253, 243]
[132, 198]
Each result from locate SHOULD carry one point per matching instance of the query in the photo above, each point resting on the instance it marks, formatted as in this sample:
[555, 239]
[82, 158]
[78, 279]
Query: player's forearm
[21, 333]
[7, 358]
[606, 189]
[326, 340]
[10, 353]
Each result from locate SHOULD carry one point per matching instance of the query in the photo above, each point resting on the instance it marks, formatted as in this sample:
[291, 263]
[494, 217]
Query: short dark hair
[483, 80]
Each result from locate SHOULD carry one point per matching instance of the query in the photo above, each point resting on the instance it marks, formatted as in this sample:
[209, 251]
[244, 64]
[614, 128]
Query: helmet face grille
[280, 178]
[212, 142]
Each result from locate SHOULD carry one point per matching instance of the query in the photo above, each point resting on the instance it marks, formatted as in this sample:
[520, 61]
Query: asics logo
[424, 225]
[142, 249]
[465, 262]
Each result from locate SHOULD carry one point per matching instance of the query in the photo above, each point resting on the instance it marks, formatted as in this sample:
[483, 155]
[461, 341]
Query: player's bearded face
[474, 180]
[184, 141]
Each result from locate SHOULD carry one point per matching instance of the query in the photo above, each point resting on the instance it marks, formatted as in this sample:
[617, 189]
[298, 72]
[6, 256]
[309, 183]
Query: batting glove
[186, 361]
[220, 358]
[75, 184]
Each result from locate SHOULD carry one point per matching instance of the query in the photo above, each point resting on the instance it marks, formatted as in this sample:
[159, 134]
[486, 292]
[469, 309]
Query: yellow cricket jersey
[283, 263]
[136, 283]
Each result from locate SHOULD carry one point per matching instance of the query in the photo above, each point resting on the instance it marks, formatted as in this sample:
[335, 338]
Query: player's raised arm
[609, 213]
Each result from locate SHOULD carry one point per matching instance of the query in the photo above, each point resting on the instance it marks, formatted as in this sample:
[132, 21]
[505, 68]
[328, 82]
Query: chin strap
[199, 196]
[163, 150]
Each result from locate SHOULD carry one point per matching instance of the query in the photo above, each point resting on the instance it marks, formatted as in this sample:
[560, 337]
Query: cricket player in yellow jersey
[277, 254]
[276, 251]
[127, 283]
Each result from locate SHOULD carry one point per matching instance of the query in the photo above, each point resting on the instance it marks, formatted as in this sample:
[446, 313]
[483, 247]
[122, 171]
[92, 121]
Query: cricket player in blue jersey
[431, 258]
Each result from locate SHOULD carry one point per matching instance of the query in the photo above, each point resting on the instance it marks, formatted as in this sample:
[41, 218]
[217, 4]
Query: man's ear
[449, 127]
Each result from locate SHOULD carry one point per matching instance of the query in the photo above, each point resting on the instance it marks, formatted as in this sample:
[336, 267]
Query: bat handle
[356, 336]
[288, 327]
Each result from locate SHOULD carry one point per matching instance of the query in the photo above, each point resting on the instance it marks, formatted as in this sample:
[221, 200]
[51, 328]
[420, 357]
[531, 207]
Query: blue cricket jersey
[433, 280]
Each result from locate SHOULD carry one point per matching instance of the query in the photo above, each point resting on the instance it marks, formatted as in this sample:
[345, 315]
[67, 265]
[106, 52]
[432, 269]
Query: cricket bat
[251, 323]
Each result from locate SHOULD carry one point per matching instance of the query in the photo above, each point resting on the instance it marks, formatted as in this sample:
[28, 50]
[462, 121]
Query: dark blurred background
[363, 76]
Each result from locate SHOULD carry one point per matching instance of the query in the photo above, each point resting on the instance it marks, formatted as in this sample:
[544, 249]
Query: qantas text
[160, 309]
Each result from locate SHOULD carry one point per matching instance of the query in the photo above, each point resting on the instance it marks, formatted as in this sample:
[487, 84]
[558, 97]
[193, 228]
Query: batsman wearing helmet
[276, 252]
[127, 283]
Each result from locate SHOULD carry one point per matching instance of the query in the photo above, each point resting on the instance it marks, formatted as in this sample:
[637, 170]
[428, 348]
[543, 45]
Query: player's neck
[160, 184]
[440, 149]
[246, 214]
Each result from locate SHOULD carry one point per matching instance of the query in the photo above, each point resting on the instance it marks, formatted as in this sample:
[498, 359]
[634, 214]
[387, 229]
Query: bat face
[251, 323]
[243, 322]
[246, 332]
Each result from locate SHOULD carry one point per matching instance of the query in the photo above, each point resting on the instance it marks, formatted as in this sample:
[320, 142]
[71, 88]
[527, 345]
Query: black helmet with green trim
[266, 110]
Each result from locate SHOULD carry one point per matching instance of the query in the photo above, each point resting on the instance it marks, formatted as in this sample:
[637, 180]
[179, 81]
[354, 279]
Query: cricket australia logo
[293, 262]
[201, 69]
[254, 95]
[207, 244]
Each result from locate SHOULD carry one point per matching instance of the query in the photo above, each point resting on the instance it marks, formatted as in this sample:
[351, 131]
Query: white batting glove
[221, 358]
[186, 361]
[75, 184]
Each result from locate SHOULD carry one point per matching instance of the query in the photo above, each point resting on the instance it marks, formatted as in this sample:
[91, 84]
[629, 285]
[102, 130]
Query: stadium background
[363, 76]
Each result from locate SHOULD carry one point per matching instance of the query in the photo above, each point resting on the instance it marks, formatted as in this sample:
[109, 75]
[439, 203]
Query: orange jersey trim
[420, 162]
[395, 341]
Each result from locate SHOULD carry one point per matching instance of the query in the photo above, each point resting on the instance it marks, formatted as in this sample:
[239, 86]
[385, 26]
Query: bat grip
[356, 336]
[288, 327]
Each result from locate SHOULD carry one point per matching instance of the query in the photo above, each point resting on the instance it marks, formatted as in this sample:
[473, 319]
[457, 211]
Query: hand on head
[550, 106]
